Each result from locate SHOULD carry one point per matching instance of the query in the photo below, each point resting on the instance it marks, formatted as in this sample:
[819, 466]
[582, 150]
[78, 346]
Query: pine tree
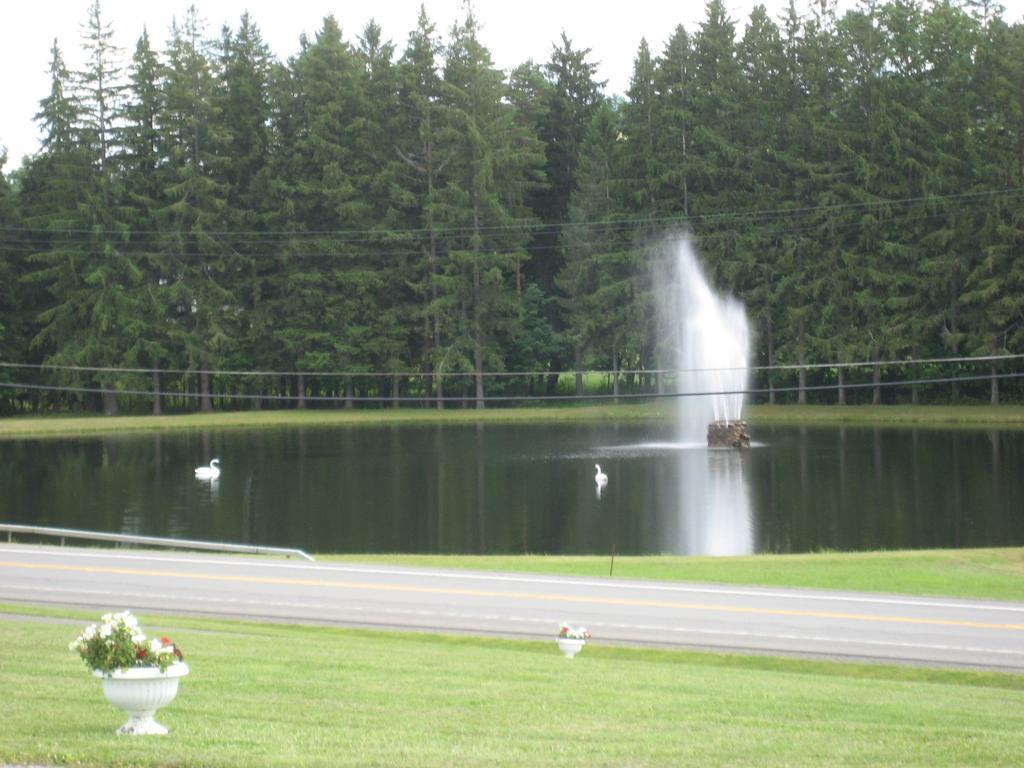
[85, 267]
[717, 157]
[101, 87]
[641, 161]
[565, 109]
[483, 205]
[243, 101]
[387, 269]
[596, 278]
[993, 296]
[194, 198]
[13, 321]
[320, 278]
[949, 40]
[676, 92]
[139, 160]
[810, 257]
[896, 161]
[425, 143]
[768, 95]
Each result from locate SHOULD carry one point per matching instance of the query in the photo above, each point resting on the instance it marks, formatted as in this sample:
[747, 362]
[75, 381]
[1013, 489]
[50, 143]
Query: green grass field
[994, 574]
[273, 695]
[941, 416]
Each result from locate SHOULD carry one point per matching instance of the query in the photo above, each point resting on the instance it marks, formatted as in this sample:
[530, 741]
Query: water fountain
[708, 342]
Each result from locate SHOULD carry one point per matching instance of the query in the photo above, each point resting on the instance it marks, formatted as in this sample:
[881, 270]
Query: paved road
[757, 620]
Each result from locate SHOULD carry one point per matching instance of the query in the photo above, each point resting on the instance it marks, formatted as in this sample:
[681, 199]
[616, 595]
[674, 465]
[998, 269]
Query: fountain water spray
[708, 342]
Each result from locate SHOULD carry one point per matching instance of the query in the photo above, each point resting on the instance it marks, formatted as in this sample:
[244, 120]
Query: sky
[513, 30]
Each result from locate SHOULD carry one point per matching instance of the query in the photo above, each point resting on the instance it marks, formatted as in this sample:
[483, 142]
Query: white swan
[600, 478]
[211, 472]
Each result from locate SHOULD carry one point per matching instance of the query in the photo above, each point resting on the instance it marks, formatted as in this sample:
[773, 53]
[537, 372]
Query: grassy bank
[893, 415]
[943, 416]
[63, 426]
[263, 695]
[985, 574]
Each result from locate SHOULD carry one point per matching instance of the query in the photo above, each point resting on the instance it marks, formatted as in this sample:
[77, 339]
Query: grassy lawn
[65, 426]
[987, 574]
[274, 695]
[944, 416]
[893, 415]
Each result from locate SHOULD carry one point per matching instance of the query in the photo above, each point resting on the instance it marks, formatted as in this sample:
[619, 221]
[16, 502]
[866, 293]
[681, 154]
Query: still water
[511, 489]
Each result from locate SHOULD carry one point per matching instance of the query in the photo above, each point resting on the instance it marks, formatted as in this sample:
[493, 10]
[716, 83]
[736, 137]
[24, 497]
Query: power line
[534, 226]
[512, 374]
[427, 398]
[258, 249]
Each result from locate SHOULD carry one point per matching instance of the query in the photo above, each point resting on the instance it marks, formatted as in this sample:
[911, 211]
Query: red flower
[165, 640]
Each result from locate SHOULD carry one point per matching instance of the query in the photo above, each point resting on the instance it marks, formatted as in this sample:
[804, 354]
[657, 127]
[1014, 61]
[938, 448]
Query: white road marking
[124, 596]
[546, 581]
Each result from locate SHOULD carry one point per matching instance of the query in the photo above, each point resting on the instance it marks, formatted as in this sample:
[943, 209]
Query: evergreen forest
[379, 221]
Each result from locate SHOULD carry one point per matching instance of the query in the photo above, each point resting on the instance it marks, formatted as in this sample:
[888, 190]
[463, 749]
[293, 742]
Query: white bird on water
[600, 478]
[211, 472]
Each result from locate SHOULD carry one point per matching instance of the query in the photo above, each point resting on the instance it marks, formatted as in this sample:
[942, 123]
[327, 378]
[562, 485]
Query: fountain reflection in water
[707, 340]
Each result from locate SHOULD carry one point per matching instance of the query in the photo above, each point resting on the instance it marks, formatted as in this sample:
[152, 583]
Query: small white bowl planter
[570, 646]
[141, 691]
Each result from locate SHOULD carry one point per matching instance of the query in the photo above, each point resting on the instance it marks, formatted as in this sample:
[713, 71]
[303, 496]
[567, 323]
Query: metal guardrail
[156, 541]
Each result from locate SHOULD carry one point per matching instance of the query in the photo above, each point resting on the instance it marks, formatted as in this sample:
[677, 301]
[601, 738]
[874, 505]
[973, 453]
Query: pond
[497, 489]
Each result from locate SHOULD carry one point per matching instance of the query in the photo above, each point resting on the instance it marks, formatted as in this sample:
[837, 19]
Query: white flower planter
[141, 691]
[570, 646]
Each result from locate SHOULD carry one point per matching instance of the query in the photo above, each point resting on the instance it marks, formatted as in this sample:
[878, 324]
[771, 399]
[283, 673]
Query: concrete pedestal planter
[141, 691]
[570, 646]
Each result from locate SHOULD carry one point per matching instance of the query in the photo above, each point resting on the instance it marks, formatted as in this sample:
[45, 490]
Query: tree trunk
[478, 374]
[801, 397]
[915, 391]
[395, 390]
[578, 367]
[954, 329]
[300, 391]
[615, 375]
[205, 401]
[994, 396]
[158, 399]
[109, 402]
[841, 400]
[876, 391]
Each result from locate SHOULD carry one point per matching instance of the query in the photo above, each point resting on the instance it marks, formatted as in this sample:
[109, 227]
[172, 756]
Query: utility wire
[427, 398]
[258, 248]
[512, 374]
[534, 226]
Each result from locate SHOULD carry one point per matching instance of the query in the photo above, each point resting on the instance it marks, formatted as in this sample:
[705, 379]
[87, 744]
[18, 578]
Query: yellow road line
[338, 584]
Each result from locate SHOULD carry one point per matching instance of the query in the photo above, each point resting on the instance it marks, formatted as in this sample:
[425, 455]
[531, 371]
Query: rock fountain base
[728, 434]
